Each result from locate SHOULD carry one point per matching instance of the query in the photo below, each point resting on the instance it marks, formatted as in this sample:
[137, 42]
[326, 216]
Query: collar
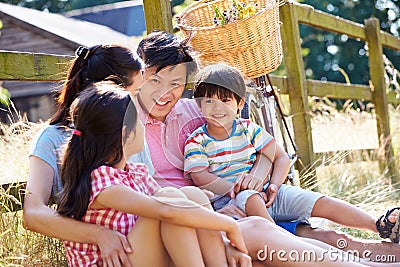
[146, 119]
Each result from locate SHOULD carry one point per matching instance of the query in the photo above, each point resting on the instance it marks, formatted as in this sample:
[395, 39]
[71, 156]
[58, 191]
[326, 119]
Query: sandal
[386, 228]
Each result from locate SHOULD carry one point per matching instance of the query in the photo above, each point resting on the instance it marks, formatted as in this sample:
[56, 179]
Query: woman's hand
[114, 246]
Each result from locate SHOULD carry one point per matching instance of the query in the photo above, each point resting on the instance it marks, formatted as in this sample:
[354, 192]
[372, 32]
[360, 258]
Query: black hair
[113, 62]
[221, 80]
[161, 49]
[99, 114]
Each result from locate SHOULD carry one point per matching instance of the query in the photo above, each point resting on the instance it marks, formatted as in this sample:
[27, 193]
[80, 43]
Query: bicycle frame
[265, 99]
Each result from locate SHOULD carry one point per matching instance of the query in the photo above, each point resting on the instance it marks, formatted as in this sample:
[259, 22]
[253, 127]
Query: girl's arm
[39, 217]
[171, 210]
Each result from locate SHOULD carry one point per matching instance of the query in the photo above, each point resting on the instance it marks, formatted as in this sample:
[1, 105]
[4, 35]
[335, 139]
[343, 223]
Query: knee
[170, 192]
[259, 223]
[196, 194]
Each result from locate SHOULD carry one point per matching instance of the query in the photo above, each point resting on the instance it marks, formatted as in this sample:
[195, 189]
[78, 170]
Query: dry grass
[353, 177]
[19, 247]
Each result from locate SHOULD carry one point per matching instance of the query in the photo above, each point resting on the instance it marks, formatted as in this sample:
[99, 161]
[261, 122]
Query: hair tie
[76, 132]
[82, 52]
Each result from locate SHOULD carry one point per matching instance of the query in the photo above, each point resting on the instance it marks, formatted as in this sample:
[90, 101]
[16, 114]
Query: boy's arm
[280, 170]
[275, 153]
[206, 180]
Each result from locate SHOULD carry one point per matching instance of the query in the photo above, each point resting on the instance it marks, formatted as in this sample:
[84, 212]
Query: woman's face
[137, 81]
[160, 91]
[134, 142]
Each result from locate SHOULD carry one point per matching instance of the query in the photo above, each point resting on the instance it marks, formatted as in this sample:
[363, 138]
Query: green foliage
[4, 97]
[329, 53]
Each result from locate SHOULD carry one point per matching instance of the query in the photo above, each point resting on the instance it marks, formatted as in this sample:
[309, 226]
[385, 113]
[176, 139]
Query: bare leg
[152, 239]
[211, 244]
[182, 245]
[265, 243]
[366, 248]
[255, 206]
[343, 213]
[145, 239]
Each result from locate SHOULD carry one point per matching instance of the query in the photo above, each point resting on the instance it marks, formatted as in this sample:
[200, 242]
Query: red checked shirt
[135, 176]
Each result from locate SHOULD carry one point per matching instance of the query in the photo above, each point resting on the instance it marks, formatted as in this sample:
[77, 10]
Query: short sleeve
[102, 178]
[195, 155]
[142, 172]
[259, 137]
[48, 145]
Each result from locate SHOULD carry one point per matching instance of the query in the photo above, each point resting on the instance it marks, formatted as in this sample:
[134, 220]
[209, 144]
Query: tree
[331, 56]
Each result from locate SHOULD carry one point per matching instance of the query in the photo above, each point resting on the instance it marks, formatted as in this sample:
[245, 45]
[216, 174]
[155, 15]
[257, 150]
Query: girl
[92, 64]
[100, 187]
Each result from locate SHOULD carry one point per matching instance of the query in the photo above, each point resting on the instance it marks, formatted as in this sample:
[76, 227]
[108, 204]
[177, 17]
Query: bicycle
[254, 47]
[263, 106]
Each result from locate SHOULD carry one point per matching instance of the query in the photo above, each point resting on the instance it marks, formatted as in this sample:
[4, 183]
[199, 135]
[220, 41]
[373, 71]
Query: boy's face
[162, 90]
[220, 112]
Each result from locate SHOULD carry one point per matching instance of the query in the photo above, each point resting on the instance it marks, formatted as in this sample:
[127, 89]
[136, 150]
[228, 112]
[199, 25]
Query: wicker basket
[253, 45]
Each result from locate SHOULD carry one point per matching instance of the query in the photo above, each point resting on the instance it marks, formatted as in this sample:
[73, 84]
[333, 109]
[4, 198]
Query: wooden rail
[43, 67]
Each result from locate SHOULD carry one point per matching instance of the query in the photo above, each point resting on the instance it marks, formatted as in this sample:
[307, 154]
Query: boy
[225, 147]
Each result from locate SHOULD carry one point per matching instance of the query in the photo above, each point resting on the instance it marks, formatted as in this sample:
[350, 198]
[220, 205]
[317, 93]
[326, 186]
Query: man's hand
[232, 211]
[248, 181]
[271, 194]
[113, 247]
[236, 258]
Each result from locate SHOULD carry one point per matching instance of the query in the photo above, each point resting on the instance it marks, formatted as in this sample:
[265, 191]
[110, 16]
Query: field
[351, 176]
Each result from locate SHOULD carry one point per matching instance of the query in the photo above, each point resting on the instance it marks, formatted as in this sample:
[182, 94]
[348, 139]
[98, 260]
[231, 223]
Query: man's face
[162, 90]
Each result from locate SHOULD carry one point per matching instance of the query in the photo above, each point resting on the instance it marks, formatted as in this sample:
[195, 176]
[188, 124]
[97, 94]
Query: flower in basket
[238, 11]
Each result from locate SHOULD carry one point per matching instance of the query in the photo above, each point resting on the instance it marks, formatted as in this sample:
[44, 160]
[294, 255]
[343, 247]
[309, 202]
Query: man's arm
[206, 180]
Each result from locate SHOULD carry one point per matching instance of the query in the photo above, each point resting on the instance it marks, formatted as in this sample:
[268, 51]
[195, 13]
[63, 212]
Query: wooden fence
[43, 67]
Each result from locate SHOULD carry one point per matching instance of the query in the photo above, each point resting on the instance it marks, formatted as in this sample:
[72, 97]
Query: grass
[20, 247]
[350, 176]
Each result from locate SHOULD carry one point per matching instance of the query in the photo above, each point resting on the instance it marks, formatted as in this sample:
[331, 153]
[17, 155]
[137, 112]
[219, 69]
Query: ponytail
[99, 114]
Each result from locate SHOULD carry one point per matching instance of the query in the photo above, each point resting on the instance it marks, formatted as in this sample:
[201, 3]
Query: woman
[90, 65]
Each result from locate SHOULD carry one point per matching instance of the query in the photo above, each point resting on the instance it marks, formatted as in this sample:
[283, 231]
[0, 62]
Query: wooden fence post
[377, 73]
[297, 88]
[158, 15]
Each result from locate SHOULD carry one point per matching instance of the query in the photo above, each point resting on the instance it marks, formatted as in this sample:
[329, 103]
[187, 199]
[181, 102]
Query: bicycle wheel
[283, 132]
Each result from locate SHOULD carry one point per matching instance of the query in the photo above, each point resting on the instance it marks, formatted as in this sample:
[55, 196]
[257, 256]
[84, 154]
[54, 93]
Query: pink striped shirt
[136, 176]
[166, 141]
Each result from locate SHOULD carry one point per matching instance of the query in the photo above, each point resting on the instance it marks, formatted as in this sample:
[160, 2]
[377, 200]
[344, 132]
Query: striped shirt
[226, 158]
[136, 177]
